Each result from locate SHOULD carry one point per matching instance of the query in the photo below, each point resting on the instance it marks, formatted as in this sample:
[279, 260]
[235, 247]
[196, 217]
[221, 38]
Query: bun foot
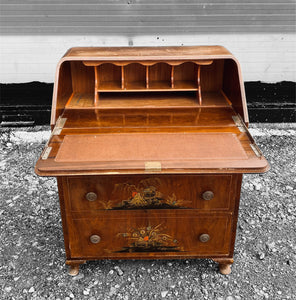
[74, 270]
[74, 266]
[225, 269]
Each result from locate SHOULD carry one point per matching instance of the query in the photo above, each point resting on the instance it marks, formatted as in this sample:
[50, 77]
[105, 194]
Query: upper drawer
[206, 192]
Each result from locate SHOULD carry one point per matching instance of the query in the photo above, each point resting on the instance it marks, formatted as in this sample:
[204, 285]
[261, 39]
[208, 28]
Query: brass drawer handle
[204, 238]
[95, 239]
[208, 195]
[91, 196]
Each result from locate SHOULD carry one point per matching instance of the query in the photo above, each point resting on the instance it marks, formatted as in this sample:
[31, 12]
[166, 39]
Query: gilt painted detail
[149, 239]
[145, 195]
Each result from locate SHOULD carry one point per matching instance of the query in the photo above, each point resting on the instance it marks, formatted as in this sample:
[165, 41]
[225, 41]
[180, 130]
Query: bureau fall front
[149, 145]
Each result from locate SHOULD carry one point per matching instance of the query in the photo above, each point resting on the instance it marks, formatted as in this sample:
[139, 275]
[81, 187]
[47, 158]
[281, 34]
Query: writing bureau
[149, 146]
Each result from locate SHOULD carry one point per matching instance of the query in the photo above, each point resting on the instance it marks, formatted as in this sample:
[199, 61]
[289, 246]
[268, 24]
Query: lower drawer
[149, 234]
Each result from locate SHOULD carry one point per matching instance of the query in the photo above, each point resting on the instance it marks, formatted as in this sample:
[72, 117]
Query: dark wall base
[29, 104]
[271, 102]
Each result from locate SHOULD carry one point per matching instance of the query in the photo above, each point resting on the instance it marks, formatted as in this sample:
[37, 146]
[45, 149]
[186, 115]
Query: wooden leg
[225, 269]
[74, 270]
[224, 265]
[74, 266]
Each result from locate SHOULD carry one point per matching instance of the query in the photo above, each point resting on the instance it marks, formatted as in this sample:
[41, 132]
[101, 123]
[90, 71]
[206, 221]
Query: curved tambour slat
[147, 63]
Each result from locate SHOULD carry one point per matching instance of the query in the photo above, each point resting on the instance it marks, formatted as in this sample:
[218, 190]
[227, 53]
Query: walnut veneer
[149, 146]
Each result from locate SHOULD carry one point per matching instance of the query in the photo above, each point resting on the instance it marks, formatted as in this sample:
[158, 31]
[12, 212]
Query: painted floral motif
[149, 239]
[146, 195]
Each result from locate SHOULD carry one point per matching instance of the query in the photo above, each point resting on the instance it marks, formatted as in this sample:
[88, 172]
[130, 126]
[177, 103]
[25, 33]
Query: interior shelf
[109, 86]
[135, 77]
[137, 86]
[147, 100]
[185, 85]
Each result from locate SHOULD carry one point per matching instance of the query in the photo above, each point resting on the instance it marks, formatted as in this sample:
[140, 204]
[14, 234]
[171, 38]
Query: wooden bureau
[149, 146]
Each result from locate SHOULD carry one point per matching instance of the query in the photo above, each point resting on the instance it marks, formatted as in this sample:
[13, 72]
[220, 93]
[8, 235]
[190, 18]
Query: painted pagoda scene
[149, 239]
[146, 195]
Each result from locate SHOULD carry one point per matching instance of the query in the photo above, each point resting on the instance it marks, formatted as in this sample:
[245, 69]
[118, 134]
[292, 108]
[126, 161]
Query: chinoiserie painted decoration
[149, 239]
[146, 196]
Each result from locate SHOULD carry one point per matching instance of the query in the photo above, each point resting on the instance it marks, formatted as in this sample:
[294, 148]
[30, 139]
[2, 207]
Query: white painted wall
[264, 57]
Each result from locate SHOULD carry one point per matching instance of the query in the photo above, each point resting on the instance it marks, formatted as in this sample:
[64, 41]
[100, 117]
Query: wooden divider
[156, 77]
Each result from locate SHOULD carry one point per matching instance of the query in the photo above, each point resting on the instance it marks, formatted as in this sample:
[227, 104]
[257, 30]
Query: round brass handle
[95, 239]
[208, 195]
[91, 196]
[204, 238]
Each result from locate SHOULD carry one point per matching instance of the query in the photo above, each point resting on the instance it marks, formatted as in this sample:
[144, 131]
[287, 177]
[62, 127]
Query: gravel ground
[32, 251]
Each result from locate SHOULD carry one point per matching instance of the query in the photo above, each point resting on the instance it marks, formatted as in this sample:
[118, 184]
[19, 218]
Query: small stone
[31, 290]
[230, 298]
[16, 278]
[271, 246]
[67, 298]
[258, 186]
[164, 293]
[111, 272]
[252, 222]
[71, 295]
[8, 289]
[118, 270]
[261, 255]
[79, 276]
[172, 286]
[86, 292]
[112, 291]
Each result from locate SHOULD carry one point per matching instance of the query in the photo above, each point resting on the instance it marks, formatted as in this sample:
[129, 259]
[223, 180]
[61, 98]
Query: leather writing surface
[150, 147]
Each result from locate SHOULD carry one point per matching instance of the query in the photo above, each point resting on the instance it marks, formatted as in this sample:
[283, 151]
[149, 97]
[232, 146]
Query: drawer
[206, 192]
[150, 234]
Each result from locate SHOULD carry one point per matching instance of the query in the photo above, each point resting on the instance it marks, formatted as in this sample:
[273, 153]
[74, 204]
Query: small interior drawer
[205, 192]
[145, 234]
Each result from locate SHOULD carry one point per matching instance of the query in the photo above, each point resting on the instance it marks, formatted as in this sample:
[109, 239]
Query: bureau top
[147, 53]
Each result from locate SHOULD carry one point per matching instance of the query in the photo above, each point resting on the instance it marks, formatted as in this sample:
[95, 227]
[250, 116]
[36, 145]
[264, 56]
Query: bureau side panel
[237, 181]
[62, 189]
